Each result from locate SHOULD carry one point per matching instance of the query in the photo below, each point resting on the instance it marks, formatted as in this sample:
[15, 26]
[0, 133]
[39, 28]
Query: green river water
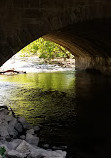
[72, 109]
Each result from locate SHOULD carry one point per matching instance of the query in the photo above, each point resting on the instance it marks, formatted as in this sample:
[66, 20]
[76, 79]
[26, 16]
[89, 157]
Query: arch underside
[83, 27]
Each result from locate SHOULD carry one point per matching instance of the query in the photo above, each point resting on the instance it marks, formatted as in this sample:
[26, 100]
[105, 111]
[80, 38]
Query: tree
[45, 49]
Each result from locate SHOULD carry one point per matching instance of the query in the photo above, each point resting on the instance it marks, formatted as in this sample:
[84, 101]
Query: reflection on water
[72, 109]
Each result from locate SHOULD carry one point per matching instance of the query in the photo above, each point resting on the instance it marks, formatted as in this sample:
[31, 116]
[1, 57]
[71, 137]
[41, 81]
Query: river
[73, 109]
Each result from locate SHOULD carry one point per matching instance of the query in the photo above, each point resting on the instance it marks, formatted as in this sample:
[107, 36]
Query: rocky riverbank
[35, 64]
[20, 140]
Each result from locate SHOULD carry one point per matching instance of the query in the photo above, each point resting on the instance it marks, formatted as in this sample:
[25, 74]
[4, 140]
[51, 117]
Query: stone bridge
[82, 26]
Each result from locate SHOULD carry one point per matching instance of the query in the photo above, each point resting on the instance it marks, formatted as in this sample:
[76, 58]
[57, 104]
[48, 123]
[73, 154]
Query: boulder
[12, 132]
[31, 139]
[14, 154]
[25, 147]
[36, 153]
[14, 144]
[24, 123]
[30, 131]
[36, 128]
[19, 127]
[22, 137]
[8, 118]
[3, 131]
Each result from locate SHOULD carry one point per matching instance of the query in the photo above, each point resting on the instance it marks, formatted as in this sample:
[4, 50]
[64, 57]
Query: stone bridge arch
[82, 26]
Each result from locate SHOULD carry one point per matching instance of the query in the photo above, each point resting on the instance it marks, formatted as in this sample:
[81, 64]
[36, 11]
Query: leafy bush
[45, 49]
[2, 152]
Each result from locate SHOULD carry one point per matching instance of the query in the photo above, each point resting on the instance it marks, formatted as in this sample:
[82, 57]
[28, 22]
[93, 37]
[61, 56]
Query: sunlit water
[72, 109]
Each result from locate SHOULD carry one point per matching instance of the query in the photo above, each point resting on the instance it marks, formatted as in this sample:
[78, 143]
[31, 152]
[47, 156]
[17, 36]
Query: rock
[19, 127]
[13, 122]
[3, 131]
[8, 138]
[14, 144]
[63, 153]
[14, 154]
[38, 153]
[25, 147]
[30, 131]
[32, 139]
[35, 153]
[12, 132]
[4, 110]
[36, 128]
[8, 118]
[46, 145]
[24, 123]
[22, 137]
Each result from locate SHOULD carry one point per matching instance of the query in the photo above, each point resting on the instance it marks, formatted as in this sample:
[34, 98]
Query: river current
[73, 109]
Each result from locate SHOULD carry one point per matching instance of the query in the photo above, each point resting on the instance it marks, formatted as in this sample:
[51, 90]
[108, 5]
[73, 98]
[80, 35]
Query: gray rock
[63, 153]
[3, 131]
[36, 128]
[35, 153]
[8, 138]
[25, 147]
[30, 131]
[14, 144]
[32, 139]
[13, 122]
[13, 133]
[24, 123]
[19, 127]
[46, 145]
[8, 118]
[22, 137]
[14, 154]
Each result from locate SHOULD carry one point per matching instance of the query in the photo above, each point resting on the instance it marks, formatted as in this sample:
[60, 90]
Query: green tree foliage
[45, 49]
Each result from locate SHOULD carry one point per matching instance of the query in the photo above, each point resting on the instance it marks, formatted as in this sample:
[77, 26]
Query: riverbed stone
[25, 147]
[30, 131]
[31, 139]
[36, 128]
[24, 123]
[19, 127]
[3, 131]
[22, 137]
[8, 118]
[14, 154]
[13, 122]
[13, 133]
[11, 129]
[14, 143]
[35, 153]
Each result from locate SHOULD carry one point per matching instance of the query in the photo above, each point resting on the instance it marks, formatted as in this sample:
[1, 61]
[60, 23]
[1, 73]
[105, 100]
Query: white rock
[31, 139]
